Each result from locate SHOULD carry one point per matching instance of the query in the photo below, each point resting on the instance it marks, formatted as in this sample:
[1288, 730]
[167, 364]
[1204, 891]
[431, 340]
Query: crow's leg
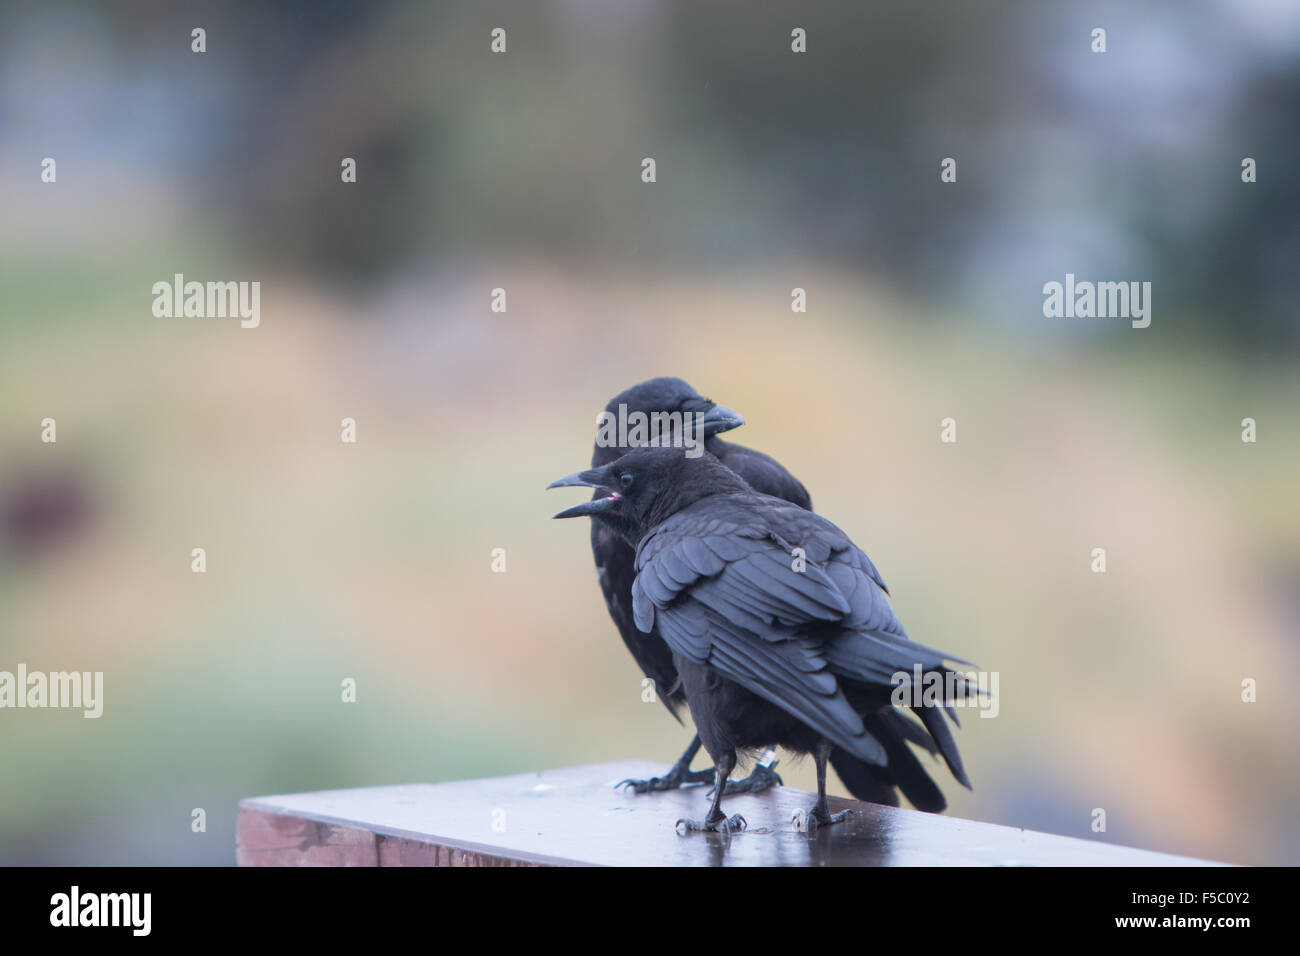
[820, 815]
[762, 777]
[679, 775]
[716, 821]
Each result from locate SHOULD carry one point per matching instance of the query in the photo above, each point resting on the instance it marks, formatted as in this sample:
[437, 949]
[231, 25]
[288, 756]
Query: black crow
[779, 626]
[668, 397]
[614, 559]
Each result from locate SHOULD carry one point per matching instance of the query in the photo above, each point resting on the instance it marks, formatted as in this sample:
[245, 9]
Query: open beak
[586, 479]
[720, 419]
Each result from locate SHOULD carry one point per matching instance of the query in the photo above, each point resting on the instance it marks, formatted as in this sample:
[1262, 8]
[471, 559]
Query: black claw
[644, 786]
[728, 825]
[811, 820]
[669, 781]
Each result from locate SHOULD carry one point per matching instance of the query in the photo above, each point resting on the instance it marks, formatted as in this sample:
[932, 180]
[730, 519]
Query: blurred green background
[522, 171]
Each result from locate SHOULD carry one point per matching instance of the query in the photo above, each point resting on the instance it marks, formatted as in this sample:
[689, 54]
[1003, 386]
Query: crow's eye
[625, 479]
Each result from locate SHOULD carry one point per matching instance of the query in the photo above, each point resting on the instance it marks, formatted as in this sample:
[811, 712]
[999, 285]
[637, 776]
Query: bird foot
[809, 821]
[763, 778]
[677, 777]
[732, 824]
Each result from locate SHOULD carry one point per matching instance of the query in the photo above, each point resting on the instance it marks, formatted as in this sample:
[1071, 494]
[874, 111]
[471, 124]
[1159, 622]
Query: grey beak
[720, 419]
[579, 479]
[585, 479]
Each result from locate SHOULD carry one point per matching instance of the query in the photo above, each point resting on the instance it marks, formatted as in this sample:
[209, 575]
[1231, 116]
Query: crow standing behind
[769, 652]
[615, 558]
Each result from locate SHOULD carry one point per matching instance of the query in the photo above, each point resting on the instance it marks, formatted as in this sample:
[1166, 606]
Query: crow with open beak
[614, 558]
[778, 625]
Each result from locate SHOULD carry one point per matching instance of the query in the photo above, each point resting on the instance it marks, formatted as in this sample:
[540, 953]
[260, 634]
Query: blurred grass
[372, 561]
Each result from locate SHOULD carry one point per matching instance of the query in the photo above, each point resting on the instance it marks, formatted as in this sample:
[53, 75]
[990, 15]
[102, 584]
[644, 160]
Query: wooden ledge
[574, 817]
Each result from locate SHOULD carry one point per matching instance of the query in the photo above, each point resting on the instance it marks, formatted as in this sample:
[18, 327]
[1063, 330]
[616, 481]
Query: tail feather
[904, 771]
[908, 773]
[910, 730]
[934, 722]
[875, 657]
[865, 781]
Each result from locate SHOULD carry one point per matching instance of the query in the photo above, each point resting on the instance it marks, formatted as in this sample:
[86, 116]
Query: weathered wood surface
[574, 817]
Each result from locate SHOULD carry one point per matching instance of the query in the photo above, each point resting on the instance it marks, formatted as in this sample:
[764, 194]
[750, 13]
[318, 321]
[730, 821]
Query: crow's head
[648, 485]
[662, 407]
